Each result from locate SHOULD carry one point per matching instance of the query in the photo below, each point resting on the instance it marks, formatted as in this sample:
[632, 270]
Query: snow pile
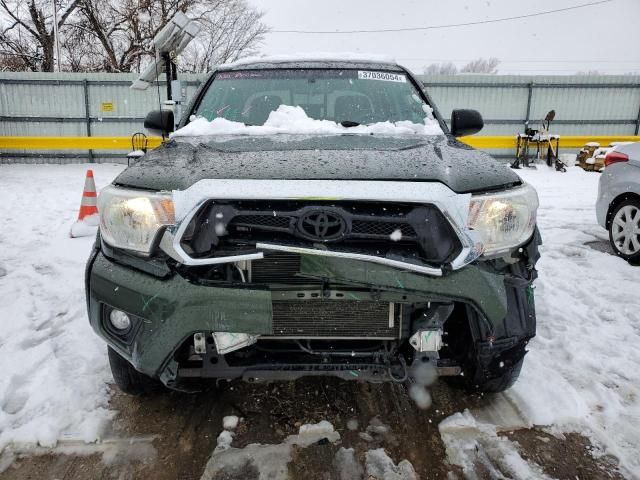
[346, 465]
[380, 467]
[294, 121]
[313, 432]
[224, 441]
[54, 368]
[470, 443]
[270, 460]
[87, 227]
[377, 466]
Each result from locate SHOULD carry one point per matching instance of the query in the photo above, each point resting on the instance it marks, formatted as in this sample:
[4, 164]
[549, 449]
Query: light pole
[55, 33]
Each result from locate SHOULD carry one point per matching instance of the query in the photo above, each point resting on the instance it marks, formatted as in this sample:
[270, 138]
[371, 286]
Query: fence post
[637, 123]
[87, 115]
[530, 88]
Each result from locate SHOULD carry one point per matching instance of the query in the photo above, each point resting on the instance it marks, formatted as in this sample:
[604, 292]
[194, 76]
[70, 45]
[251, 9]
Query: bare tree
[490, 65]
[446, 68]
[26, 31]
[11, 63]
[117, 35]
[124, 31]
[230, 31]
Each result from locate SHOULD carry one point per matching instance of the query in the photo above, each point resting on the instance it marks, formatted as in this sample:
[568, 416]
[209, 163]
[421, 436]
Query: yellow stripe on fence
[565, 141]
[71, 143]
[124, 143]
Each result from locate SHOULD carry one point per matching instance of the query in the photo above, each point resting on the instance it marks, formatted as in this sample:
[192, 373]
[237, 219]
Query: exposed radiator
[320, 318]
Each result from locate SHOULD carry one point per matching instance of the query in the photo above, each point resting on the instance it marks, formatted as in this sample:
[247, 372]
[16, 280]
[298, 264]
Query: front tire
[128, 379]
[476, 381]
[624, 230]
[502, 382]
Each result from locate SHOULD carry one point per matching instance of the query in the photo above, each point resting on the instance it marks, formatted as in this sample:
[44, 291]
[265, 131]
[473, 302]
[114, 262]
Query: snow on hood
[294, 120]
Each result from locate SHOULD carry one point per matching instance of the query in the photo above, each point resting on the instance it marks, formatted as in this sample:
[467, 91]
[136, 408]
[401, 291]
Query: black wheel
[624, 230]
[479, 373]
[499, 383]
[128, 379]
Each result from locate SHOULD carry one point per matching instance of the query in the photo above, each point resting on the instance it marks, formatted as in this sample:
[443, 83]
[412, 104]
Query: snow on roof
[313, 57]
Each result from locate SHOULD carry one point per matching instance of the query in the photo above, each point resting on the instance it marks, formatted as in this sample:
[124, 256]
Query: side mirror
[465, 122]
[159, 122]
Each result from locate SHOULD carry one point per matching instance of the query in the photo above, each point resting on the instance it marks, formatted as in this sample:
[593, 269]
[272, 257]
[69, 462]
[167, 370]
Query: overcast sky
[603, 37]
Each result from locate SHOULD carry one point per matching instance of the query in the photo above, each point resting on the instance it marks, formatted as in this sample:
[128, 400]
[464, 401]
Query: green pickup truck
[314, 217]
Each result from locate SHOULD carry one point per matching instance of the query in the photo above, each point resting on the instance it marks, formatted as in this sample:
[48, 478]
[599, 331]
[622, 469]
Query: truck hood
[178, 164]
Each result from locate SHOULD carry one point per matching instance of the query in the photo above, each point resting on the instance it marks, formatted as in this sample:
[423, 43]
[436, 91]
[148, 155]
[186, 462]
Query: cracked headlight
[131, 219]
[504, 220]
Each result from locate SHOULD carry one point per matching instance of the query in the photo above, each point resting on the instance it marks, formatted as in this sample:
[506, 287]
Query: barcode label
[384, 76]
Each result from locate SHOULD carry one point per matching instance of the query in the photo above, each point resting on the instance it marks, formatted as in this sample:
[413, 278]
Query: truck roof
[314, 60]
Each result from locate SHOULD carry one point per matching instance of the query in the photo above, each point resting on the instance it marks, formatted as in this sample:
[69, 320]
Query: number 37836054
[384, 76]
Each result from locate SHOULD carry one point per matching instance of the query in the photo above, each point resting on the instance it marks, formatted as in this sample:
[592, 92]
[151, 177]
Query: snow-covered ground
[582, 372]
[583, 369]
[53, 368]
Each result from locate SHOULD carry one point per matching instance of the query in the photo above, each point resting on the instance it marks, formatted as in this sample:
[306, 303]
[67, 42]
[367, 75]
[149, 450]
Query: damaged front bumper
[168, 309]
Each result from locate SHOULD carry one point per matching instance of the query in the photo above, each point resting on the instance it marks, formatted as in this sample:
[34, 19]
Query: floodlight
[150, 74]
[176, 34]
[170, 41]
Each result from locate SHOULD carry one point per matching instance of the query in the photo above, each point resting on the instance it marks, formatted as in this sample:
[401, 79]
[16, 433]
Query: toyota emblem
[321, 225]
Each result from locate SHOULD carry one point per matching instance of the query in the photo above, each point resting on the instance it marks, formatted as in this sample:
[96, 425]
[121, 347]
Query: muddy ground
[172, 435]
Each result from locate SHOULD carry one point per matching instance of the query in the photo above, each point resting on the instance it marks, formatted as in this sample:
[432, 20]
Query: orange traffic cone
[88, 214]
[89, 204]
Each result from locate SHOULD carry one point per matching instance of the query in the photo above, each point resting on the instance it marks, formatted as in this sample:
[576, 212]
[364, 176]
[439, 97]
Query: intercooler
[327, 318]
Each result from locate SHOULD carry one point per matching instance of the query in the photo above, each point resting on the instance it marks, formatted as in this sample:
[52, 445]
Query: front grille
[269, 221]
[383, 229]
[336, 318]
[418, 234]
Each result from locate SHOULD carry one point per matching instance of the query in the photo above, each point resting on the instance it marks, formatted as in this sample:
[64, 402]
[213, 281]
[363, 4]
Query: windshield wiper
[349, 123]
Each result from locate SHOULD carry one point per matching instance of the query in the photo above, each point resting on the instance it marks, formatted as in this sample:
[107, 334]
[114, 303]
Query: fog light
[119, 320]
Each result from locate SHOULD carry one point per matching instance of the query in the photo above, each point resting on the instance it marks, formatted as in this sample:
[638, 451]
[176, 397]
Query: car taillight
[615, 157]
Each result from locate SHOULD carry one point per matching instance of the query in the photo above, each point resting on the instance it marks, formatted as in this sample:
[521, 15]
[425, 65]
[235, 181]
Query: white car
[618, 204]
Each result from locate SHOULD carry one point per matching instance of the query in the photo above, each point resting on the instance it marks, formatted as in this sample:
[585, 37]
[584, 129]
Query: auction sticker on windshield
[384, 76]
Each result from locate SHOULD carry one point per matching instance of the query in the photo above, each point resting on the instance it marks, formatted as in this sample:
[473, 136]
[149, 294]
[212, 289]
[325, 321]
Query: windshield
[348, 97]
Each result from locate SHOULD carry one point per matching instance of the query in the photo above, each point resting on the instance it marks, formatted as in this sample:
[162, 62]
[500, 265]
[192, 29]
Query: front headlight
[131, 219]
[504, 220]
